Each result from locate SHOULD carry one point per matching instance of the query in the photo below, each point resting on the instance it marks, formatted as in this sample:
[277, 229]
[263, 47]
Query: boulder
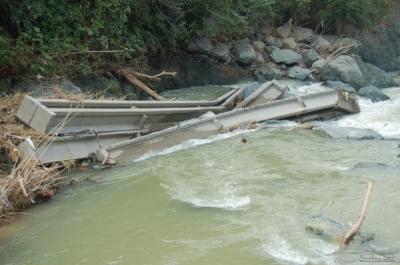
[350, 133]
[321, 44]
[285, 56]
[270, 72]
[303, 34]
[346, 46]
[289, 43]
[259, 58]
[299, 73]
[373, 93]
[258, 45]
[309, 57]
[284, 31]
[259, 78]
[200, 45]
[334, 231]
[220, 51]
[381, 45]
[269, 49]
[338, 85]
[374, 76]
[345, 69]
[317, 66]
[330, 38]
[93, 83]
[272, 41]
[244, 52]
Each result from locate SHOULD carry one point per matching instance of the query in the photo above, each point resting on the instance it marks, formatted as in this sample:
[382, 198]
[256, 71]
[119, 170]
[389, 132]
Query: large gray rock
[285, 56]
[339, 85]
[200, 45]
[284, 31]
[346, 46]
[321, 44]
[318, 65]
[95, 84]
[334, 231]
[259, 58]
[309, 57]
[221, 52]
[373, 93]
[258, 45]
[269, 72]
[303, 34]
[381, 46]
[374, 76]
[272, 41]
[299, 73]
[244, 52]
[289, 43]
[345, 69]
[350, 133]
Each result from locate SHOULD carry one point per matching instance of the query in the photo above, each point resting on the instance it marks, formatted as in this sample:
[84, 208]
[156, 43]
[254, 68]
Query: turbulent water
[217, 201]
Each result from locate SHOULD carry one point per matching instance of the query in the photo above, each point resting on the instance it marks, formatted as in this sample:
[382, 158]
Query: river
[217, 201]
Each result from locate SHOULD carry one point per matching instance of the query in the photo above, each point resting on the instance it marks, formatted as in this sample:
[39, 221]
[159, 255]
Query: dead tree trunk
[357, 226]
[130, 76]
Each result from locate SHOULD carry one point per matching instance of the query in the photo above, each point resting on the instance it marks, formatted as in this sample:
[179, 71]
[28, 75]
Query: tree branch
[357, 226]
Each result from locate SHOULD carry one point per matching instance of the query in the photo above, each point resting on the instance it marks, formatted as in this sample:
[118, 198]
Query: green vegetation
[58, 37]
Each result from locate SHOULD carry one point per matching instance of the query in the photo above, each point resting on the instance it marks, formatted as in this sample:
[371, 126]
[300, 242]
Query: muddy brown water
[218, 201]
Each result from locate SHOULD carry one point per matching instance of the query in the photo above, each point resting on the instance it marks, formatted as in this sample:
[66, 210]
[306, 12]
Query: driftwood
[130, 76]
[357, 226]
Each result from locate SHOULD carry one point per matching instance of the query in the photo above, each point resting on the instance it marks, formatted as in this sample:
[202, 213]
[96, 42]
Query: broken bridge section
[131, 128]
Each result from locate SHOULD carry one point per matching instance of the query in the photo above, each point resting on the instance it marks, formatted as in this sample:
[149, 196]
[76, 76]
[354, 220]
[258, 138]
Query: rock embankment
[269, 53]
[296, 52]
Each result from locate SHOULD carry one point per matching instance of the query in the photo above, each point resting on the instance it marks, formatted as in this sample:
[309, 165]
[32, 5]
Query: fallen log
[130, 76]
[357, 226]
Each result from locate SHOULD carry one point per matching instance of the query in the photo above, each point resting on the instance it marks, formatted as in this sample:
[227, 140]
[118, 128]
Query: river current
[218, 201]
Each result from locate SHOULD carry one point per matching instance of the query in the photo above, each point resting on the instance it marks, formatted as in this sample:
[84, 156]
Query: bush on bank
[57, 37]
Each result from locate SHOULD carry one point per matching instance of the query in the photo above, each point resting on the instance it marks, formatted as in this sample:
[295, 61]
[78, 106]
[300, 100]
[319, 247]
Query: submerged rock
[369, 165]
[373, 93]
[334, 231]
[351, 133]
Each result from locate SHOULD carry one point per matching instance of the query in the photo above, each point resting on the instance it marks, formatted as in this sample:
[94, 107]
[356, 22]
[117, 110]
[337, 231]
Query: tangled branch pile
[22, 180]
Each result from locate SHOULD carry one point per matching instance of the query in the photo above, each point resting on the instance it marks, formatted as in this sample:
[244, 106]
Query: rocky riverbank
[355, 62]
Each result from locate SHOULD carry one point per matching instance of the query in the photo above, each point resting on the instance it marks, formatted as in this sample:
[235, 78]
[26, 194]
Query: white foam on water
[227, 203]
[280, 249]
[381, 117]
[213, 196]
[192, 143]
[309, 89]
